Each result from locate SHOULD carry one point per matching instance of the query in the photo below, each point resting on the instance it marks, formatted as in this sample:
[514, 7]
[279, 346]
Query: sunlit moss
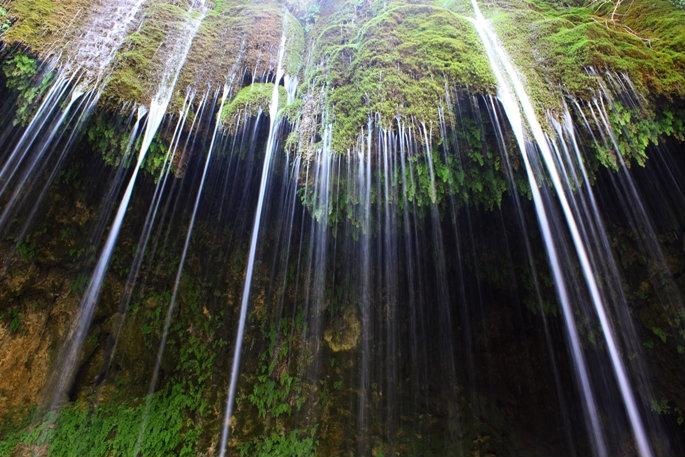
[250, 101]
[139, 63]
[554, 46]
[44, 26]
[397, 63]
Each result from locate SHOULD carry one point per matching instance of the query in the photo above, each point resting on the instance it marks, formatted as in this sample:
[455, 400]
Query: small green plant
[294, 444]
[636, 131]
[115, 144]
[277, 393]
[113, 429]
[22, 76]
[4, 21]
[12, 318]
[663, 407]
[27, 252]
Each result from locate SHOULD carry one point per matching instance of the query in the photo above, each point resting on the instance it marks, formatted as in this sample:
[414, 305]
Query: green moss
[140, 61]
[294, 46]
[33, 20]
[343, 333]
[553, 45]
[240, 38]
[398, 64]
[251, 99]
[41, 24]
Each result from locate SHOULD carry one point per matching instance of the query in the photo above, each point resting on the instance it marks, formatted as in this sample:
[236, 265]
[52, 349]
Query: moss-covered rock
[397, 62]
[343, 333]
[242, 40]
[249, 102]
[555, 46]
[44, 25]
[141, 60]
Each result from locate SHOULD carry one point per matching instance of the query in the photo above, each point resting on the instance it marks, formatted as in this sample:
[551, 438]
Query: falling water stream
[155, 115]
[518, 107]
[271, 143]
[378, 291]
[177, 281]
[150, 220]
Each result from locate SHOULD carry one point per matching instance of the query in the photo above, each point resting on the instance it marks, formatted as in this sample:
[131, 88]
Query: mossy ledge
[384, 61]
[250, 101]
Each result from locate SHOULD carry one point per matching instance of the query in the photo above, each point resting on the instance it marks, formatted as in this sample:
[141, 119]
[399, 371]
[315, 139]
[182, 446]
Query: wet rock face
[41, 308]
[42, 284]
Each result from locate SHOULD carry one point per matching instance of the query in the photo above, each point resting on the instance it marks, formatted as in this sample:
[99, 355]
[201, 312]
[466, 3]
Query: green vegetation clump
[294, 46]
[5, 22]
[111, 429]
[474, 177]
[32, 21]
[397, 63]
[112, 140]
[241, 38]
[636, 130]
[39, 25]
[22, 75]
[292, 444]
[250, 101]
[177, 413]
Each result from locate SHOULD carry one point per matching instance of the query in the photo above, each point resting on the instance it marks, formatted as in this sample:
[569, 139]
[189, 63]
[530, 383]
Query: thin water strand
[245, 301]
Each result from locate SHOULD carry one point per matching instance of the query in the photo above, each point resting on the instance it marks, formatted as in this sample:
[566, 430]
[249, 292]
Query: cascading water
[179, 273]
[110, 23]
[518, 108]
[155, 114]
[363, 274]
[150, 220]
[271, 143]
[81, 74]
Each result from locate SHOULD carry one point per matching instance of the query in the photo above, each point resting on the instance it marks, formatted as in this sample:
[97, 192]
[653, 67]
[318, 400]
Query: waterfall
[104, 35]
[82, 73]
[521, 115]
[69, 358]
[271, 145]
[150, 220]
[179, 273]
[341, 228]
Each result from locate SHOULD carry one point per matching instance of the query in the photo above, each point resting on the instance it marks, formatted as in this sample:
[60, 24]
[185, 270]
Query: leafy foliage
[276, 392]
[276, 395]
[23, 77]
[636, 130]
[293, 444]
[114, 143]
[112, 429]
[177, 412]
